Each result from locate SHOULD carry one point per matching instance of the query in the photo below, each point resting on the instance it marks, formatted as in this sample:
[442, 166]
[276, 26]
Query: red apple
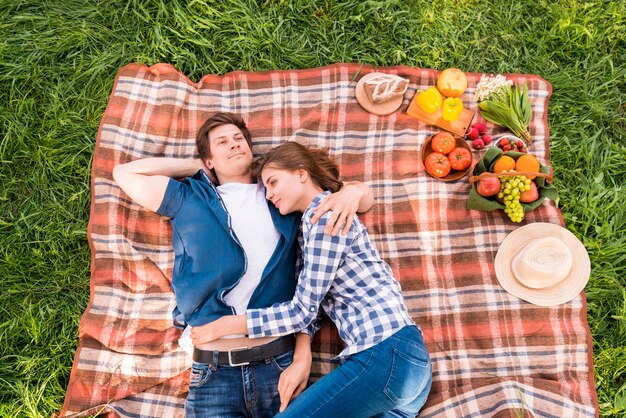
[488, 186]
[531, 195]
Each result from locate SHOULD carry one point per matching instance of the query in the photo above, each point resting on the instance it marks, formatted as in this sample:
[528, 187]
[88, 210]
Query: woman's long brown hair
[294, 156]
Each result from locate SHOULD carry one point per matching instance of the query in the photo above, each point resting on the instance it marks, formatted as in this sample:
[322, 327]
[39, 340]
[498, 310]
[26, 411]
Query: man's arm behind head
[145, 180]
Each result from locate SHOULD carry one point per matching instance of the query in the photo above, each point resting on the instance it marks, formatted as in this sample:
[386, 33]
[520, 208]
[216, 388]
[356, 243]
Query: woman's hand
[294, 380]
[226, 325]
[344, 205]
[205, 333]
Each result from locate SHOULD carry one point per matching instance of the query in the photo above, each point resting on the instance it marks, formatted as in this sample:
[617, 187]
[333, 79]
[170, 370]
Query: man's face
[231, 156]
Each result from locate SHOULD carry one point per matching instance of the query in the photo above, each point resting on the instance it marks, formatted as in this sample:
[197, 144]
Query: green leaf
[598, 178]
[513, 114]
[620, 399]
[515, 100]
[525, 106]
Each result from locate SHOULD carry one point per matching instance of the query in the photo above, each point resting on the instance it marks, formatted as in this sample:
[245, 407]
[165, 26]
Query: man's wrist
[356, 187]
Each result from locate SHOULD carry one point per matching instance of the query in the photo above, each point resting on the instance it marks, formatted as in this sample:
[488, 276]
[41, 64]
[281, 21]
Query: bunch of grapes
[510, 189]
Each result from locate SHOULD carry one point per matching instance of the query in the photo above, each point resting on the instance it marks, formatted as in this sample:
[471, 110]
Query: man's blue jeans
[391, 379]
[243, 391]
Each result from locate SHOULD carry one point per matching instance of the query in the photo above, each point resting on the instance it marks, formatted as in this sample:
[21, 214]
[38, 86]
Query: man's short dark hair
[219, 119]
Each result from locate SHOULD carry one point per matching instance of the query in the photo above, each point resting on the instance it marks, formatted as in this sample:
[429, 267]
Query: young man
[233, 251]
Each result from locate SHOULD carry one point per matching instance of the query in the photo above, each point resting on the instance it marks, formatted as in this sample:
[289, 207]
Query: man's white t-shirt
[252, 222]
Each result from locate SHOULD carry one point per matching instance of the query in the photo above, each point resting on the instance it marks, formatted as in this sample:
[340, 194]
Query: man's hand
[344, 205]
[293, 380]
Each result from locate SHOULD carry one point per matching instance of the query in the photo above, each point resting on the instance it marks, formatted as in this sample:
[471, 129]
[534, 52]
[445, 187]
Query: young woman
[385, 368]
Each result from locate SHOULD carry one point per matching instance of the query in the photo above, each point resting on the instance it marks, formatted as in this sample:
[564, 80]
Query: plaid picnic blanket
[493, 354]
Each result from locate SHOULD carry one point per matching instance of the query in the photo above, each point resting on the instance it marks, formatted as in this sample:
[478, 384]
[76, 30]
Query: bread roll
[385, 87]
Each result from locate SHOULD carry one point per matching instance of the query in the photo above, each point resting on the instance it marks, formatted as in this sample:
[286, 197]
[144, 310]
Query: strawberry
[504, 142]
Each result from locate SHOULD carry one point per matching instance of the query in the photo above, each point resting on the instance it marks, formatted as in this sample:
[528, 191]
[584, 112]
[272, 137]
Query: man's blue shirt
[209, 260]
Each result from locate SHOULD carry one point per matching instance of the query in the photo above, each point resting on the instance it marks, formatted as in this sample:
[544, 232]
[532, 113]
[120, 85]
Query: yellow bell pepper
[429, 100]
[452, 109]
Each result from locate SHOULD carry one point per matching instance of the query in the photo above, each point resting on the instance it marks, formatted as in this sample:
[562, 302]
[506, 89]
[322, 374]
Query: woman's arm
[233, 325]
[322, 255]
[352, 198]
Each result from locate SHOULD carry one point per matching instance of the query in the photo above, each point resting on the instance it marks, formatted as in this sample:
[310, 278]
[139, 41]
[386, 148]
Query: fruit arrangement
[477, 133]
[451, 83]
[511, 144]
[513, 181]
[443, 156]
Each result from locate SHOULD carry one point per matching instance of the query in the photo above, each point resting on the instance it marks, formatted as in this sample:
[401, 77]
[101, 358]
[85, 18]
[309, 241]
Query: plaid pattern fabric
[345, 276]
[492, 354]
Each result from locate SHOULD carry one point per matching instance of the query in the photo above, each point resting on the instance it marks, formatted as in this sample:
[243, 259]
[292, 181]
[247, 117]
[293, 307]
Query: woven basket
[481, 170]
[473, 179]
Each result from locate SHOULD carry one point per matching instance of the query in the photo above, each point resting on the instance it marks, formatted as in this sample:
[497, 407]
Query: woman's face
[285, 188]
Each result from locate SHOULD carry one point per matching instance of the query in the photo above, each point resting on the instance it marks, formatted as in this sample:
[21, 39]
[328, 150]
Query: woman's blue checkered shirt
[345, 276]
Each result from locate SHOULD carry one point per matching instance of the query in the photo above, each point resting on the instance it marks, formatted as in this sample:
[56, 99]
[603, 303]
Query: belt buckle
[230, 357]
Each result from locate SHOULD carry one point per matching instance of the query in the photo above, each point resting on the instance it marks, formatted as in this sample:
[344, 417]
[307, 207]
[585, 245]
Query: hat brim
[559, 293]
[380, 109]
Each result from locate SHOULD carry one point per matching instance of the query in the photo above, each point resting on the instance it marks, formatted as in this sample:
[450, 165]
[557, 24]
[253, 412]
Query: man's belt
[242, 356]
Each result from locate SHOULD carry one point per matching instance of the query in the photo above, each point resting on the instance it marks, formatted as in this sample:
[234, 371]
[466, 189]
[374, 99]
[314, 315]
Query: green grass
[58, 59]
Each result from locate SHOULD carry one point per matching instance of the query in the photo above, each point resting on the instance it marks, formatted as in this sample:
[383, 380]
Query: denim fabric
[244, 391]
[391, 379]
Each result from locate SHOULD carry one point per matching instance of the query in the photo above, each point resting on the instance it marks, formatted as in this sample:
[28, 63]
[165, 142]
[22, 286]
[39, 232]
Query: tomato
[437, 164]
[460, 158]
[443, 142]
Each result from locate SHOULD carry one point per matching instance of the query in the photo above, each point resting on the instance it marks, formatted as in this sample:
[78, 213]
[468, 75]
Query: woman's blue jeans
[391, 379]
[242, 391]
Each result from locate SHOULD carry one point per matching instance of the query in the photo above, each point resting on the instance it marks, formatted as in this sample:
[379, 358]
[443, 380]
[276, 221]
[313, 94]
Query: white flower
[489, 85]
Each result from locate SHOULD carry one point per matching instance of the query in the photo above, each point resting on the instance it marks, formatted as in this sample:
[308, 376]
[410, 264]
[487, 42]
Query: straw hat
[542, 263]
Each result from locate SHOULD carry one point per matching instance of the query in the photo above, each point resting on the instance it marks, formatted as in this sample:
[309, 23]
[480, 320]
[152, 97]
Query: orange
[528, 163]
[504, 163]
